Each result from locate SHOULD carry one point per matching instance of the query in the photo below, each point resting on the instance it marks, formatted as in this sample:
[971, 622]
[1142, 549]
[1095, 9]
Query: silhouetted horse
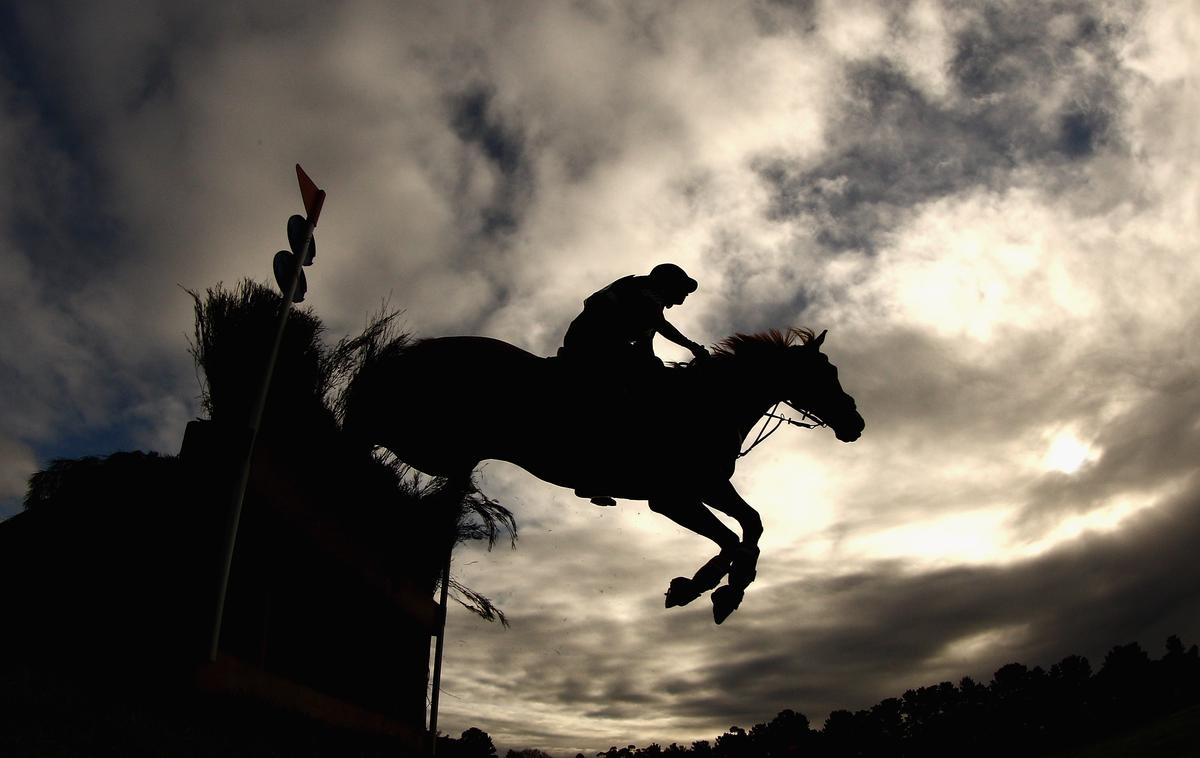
[669, 436]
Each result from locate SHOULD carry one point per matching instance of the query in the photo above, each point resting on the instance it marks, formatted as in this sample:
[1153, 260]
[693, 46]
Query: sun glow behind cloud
[1068, 454]
[973, 537]
[964, 650]
[986, 536]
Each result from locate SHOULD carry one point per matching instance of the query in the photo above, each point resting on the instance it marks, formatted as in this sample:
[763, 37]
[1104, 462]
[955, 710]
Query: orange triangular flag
[313, 197]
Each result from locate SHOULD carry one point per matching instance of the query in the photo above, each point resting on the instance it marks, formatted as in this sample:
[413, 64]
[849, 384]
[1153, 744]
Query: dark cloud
[1082, 133]
[474, 120]
[57, 192]
[786, 16]
[61, 375]
[896, 145]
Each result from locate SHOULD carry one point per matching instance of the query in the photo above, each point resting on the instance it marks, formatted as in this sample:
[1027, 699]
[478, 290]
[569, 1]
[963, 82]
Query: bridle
[811, 422]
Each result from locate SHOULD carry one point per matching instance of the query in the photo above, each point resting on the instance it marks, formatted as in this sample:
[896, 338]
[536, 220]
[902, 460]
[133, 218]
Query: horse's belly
[458, 418]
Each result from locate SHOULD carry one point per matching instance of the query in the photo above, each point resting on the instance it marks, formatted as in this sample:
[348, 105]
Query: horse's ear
[816, 344]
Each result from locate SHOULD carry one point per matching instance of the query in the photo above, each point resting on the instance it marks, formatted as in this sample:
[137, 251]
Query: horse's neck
[750, 413]
[752, 395]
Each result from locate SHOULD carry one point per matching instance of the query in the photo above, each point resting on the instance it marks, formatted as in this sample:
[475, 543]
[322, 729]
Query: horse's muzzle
[851, 429]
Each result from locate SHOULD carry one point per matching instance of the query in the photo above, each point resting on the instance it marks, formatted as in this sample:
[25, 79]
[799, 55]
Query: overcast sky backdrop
[992, 207]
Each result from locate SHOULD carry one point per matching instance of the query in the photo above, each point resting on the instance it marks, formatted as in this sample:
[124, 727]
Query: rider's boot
[599, 500]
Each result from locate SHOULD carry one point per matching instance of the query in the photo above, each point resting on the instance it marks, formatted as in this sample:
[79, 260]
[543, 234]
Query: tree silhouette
[1023, 711]
[1178, 673]
[86, 480]
[734, 743]
[472, 743]
[786, 734]
[475, 743]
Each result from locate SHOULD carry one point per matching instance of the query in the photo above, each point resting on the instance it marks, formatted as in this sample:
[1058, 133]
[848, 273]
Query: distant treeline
[1022, 711]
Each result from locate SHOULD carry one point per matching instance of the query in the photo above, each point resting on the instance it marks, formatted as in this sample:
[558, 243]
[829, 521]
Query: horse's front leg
[726, 499]
[743, 567]
[691, 514]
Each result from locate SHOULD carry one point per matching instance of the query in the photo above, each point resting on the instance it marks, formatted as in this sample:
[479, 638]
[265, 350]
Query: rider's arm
[667, 330]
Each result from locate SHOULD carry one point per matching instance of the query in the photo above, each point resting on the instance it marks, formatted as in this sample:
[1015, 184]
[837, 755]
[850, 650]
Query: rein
[812, 422]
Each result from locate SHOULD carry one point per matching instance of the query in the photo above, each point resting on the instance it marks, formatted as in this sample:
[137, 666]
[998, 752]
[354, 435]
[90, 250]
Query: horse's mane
[771, 339]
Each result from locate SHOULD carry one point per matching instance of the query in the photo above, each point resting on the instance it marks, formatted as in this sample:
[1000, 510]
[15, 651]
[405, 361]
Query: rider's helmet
[672, 279]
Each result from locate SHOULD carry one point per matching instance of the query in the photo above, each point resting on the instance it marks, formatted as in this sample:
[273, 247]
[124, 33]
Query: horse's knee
[753, 525]
[726, 539]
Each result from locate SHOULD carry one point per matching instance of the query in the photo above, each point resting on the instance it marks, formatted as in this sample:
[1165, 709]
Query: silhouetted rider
[617, 326]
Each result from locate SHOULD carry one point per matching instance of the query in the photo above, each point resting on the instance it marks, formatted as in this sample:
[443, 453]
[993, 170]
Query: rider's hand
[699, 351]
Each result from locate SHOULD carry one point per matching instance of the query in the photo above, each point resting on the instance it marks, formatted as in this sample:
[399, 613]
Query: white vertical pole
[256, 412]
[437, 653]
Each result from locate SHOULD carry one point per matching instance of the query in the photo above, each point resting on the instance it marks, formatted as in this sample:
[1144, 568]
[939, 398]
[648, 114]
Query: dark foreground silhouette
[111, 573]
[669, 436]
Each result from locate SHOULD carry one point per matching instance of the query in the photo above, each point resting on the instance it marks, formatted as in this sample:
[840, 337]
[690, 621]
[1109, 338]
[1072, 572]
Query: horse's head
[820, 393]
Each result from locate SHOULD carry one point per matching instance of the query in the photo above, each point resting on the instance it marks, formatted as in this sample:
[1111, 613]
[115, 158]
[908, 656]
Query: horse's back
[471, 350]
[467, 399]
[469, 360]
[469, 372]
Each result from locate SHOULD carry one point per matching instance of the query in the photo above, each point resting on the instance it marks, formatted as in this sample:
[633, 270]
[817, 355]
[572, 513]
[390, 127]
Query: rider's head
[672, 283]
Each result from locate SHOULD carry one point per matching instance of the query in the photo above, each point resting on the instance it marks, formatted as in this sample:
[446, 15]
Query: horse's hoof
[682, 592]
[725, 601]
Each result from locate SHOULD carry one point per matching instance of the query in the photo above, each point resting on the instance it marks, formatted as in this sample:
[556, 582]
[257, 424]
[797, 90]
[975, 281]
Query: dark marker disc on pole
[284, 266]
[297, 229]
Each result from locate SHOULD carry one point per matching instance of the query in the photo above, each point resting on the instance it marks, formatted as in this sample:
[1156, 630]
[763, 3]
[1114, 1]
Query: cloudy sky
[993, 209]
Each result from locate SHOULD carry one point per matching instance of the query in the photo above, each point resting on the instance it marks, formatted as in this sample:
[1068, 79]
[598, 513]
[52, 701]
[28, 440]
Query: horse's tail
[369, 360]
